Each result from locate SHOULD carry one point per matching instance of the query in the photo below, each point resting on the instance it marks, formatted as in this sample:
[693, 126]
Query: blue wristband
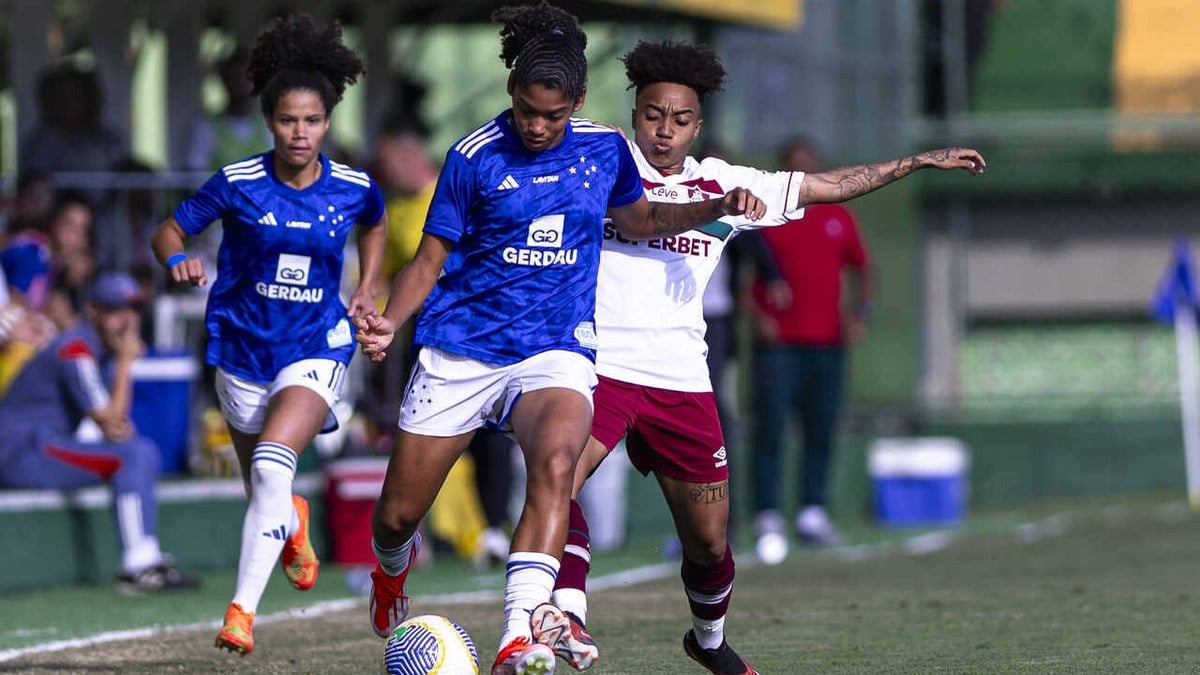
[175, 259]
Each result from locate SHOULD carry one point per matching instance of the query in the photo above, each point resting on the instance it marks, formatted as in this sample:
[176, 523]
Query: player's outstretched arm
[410, 287]
[848, 182]
[167, 242]
[651, 220]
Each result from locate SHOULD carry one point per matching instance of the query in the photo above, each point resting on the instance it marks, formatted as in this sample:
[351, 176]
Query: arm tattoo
[668, 220]
[839, 185]
[710, 493]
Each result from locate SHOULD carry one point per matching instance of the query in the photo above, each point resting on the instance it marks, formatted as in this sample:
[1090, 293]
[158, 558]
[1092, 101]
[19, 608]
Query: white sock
[395, 560]
[528, 582]
[140, 549]
[709, 633]
[571, 600]
[268, 519]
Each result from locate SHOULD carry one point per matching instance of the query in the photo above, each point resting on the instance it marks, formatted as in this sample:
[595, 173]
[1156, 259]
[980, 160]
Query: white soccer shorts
[244, 403]
[448, 394]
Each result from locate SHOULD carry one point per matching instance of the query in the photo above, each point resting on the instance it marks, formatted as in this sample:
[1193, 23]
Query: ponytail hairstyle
[694, 66]
[543, 45]
[292, 53]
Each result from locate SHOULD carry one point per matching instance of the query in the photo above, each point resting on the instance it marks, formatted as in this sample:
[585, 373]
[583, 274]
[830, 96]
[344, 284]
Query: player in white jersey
[654, 388]
[506, 270]
[279, 333]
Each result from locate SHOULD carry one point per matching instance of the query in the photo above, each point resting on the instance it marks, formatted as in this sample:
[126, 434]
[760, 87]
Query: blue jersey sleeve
[451, 198]
[208, 204]
[627, 188]
[373, 205]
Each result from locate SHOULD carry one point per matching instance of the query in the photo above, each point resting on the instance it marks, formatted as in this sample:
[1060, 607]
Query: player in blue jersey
[279, 333]
[506, 270]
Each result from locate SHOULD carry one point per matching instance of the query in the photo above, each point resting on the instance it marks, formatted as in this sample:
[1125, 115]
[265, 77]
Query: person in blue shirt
[86, 375]
[279, 333]
[506, 270]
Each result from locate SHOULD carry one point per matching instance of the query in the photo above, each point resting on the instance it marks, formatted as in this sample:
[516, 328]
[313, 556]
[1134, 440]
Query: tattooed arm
[644, 219]
[839, 185]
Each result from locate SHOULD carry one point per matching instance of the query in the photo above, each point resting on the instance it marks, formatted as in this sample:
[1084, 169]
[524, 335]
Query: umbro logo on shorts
[719, 455]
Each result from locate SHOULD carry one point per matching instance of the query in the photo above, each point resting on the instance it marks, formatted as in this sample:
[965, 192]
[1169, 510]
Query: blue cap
[116, 290]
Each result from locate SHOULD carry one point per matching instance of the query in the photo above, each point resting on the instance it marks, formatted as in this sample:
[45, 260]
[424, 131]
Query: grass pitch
[1097, 588]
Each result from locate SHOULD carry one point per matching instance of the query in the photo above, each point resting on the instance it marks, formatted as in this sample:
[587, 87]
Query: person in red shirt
[799, 355]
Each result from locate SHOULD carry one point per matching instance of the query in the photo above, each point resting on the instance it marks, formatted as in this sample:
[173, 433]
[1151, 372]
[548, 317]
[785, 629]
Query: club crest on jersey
[291, 273]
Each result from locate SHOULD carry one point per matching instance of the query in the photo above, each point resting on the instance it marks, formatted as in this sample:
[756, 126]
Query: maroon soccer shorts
[674, 433]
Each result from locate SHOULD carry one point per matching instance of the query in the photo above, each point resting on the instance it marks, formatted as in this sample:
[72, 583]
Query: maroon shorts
[673, 433]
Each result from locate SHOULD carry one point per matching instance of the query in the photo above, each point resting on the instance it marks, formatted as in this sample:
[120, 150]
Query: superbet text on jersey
[649, 315]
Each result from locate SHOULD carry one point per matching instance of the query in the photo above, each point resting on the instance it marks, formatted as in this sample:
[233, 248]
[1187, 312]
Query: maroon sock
[708, 587]
[577, 556]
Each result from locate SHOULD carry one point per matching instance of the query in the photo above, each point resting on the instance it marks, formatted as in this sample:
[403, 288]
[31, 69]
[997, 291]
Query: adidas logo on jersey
[508, 183]
[268, 219]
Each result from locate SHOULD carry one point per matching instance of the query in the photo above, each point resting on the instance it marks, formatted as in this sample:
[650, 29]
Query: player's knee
[145, 454]
[554, 470]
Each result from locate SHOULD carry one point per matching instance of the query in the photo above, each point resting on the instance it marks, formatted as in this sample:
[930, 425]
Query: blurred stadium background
[1012, 310]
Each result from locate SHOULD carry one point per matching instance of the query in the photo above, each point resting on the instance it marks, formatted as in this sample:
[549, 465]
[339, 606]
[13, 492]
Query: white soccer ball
[429, 644]
[771, 548]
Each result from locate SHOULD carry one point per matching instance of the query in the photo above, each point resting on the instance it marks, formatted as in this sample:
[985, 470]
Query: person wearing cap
[85, 374]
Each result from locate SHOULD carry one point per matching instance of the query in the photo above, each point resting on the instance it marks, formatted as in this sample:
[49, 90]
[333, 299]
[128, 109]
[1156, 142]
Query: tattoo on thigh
[710, 493]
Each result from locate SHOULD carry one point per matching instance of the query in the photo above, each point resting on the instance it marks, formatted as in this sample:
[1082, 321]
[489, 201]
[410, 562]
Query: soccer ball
[430, 644]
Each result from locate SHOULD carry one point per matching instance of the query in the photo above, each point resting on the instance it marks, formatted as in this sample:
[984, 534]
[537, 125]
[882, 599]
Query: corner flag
[1177, 286]
[1175, 303]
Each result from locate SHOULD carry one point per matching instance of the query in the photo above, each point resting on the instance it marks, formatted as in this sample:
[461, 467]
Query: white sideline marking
[634, 576]
[917, 545]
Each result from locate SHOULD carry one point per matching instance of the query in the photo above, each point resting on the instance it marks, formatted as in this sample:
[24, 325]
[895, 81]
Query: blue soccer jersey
[527, 229]
[276, 297]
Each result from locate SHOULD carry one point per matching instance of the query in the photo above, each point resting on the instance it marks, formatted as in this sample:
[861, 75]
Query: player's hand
[742, 202]
[189, 271]
[374, 335]
[954, 158]
[362, 302]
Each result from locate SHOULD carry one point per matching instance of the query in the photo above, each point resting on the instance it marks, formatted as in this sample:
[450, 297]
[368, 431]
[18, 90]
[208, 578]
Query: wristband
[174, 259]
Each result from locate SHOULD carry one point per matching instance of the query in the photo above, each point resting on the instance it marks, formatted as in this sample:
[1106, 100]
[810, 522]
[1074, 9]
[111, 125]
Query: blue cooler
[918, 481]
[162, 403]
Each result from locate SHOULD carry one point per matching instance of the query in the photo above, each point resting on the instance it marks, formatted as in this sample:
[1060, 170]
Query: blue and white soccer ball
[430, 644]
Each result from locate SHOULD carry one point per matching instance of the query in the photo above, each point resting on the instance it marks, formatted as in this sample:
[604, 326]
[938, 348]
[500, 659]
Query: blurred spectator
[407, 177]
[71, 137]
[71, 260]
[134, 218]
[25, 261]
[799, 353]
[31, 202]
[239, 130]
[85, 373]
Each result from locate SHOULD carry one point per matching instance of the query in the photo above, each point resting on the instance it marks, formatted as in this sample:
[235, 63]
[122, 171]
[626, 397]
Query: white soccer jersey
[649, 315]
